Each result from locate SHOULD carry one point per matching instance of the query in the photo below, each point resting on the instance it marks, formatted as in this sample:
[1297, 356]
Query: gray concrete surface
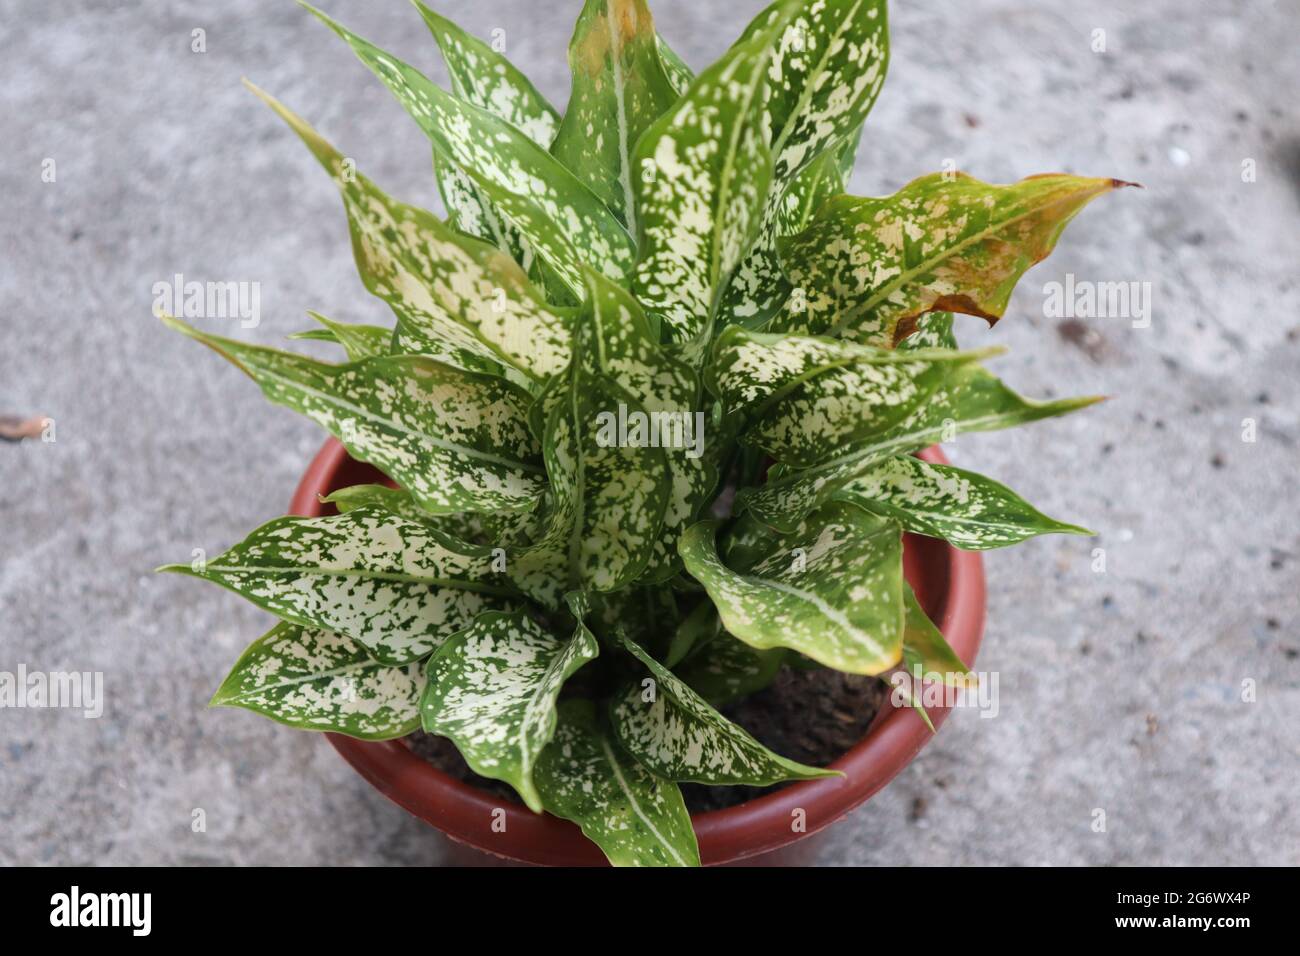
[1120, 691]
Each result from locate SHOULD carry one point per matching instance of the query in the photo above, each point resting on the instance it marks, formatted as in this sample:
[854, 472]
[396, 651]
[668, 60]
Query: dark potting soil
[812, 716]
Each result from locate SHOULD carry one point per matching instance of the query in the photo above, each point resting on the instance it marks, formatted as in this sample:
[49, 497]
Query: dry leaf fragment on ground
[13, 428]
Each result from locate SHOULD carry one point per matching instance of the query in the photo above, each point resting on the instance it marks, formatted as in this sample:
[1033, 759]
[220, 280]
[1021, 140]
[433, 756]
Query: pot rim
[474, 817]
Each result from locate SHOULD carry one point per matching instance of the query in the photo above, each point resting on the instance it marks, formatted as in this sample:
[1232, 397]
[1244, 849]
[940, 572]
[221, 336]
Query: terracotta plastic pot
[950, 586]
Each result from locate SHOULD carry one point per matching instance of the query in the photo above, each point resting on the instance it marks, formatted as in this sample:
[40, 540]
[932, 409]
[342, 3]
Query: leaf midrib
[393, 576]
[365, 665]
[612, 759]
[832, 614]
[620, 109]
[939, 518]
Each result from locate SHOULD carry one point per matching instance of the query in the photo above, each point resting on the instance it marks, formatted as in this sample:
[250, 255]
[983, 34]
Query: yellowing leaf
[869, 268]
[620, 87]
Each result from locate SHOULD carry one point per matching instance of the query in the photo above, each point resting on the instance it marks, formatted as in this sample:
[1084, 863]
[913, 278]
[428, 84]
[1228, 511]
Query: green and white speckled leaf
[620, 87]
[493, 689]
[484, 78]
[396, 501]
[967, 510]
[319, 680]
[358, 341]
[457, 441]
[621, 492]
[397, 587]
[869, 267]
[971, 400]
[564, 222]
[634, 817]
[725, 670]
[750, 370]
[680, 75]
[624, 351]
[544, 569]
[832, 589]
[614, 509]
[458, 295]
[501, 528]
[678, 735]
[824, 177]
[808, 397]
[828, 67]
[827, 71]
[924, 646]
[704, 171]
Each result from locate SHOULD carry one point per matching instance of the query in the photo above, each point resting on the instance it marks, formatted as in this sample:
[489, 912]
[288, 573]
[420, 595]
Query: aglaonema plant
[650, 405]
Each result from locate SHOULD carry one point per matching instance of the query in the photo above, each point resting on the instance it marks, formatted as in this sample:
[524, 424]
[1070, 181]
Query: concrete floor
[1120, 691]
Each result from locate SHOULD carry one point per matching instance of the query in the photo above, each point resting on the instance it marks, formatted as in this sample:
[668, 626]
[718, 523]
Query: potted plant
[645, 438]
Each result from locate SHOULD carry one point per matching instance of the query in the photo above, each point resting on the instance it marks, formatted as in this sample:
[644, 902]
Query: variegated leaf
[832, 589]
[457, 441]
[634, 817]
[612, 480]
[397, 587]
[666, 389]
[967, 510]
[971, 400]
[680, 75]
[925, 648]
[545, 568]
[452, 292]
[620, 87]
[358, 341]
[485, 78]
[313, 679]
[869, 267]
[704, 172]
[675, 733]
[823, 178]
[501, 528]
[725, 670]
[808, 397]
[396, 501]
[828, 68]
[565, 222]
[493, 689]
[622, 491]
